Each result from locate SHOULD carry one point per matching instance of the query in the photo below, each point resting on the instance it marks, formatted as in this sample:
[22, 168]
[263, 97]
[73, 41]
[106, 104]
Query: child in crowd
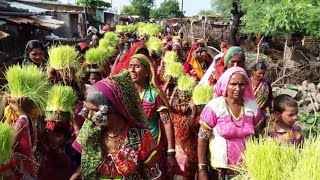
[283, 128]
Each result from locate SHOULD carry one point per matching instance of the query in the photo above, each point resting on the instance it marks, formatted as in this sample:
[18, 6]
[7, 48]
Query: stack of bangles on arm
[10, 165]
[171, 152]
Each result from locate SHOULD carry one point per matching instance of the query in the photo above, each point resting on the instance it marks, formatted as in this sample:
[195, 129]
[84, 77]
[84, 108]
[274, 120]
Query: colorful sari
[263, 93]
[192, 66]
[154, 101]
[96, 163]
[24, 147]
[185, 138]
[222, 64]
[229, 135]
[124, 64]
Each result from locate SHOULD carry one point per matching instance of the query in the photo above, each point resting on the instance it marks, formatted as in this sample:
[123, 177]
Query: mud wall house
[73, 16]
[23, 22]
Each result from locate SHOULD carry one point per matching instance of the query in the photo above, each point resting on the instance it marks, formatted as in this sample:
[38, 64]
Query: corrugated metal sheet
[26, 7]
[45, 22]
[17, 20]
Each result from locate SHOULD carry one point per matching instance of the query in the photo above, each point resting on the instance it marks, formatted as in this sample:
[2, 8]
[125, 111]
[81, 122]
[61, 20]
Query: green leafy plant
[202, 95]
[174, 69]
[28, 82]
[265, 159]
[6, 143]
[310, 124]
[61, 98]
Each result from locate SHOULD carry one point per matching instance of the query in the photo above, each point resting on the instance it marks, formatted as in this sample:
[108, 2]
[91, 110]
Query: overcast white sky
[192, 7]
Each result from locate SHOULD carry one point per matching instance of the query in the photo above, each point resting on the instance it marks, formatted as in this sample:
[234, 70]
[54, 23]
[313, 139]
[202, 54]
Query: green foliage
[282, 17]
[61, 98]
[252, 57]
[29, 82]
[109, 39]
[6, 143]
[222, 7]
[265, 159]
[63, 57]
[129, 10]
[149, 29]
[174, 69]
[138, 7]
[186, 83]
[155, 44]
[308, 164]
[168, 9]
[98, 56]
[310, 125]
[202, 95]
[170, 56]
[205, 12]
[94, 3]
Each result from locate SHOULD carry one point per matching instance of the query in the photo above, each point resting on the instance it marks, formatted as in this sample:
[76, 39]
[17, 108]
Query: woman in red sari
[234, 57]
[136, 48]
[198, 61]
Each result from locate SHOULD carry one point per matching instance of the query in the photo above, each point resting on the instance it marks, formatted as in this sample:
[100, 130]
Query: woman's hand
[172, 165]
[77, 174]
[202, 175]
[193, 108]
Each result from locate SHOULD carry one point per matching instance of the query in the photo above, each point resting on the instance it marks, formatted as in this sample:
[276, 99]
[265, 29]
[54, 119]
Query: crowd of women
[137, 107]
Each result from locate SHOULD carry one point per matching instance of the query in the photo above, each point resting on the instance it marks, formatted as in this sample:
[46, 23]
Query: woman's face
[236, 86]
[259, 74]
[200, 54]
[122, 40]
[93, 109]
[94, 77]
[56, 138]
[37, 56]
[176, 49]
[236, 61]
[138, 72]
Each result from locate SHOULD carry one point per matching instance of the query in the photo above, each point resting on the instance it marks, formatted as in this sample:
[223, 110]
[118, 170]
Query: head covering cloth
[195, 64]
[222, 64]
[152, 76]
[124, 64]
[124, 98]
[220, 89]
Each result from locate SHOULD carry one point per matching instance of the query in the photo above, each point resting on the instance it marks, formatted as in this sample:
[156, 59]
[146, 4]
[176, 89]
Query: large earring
[84, 112]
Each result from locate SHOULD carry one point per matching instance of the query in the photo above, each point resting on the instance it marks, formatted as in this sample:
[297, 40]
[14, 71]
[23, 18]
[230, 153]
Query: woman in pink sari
[226, 122]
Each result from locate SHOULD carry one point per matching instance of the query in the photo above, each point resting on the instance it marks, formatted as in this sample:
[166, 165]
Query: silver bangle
[204, 133]
[171, 150]
[165, 117]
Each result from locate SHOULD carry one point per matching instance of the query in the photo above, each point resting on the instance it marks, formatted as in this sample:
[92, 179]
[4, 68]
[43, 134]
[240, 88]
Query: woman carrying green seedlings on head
[26, 87]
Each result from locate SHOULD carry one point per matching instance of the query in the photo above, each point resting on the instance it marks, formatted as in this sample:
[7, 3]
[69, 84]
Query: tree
[205, 12]
[222, 7]
[138, 7]
[168, 9]
[129, 10]
[282, 17]
[229, 9]
[93, 3]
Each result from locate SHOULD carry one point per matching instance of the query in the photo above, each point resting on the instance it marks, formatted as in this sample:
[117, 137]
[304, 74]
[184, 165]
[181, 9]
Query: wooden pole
[258, 50]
